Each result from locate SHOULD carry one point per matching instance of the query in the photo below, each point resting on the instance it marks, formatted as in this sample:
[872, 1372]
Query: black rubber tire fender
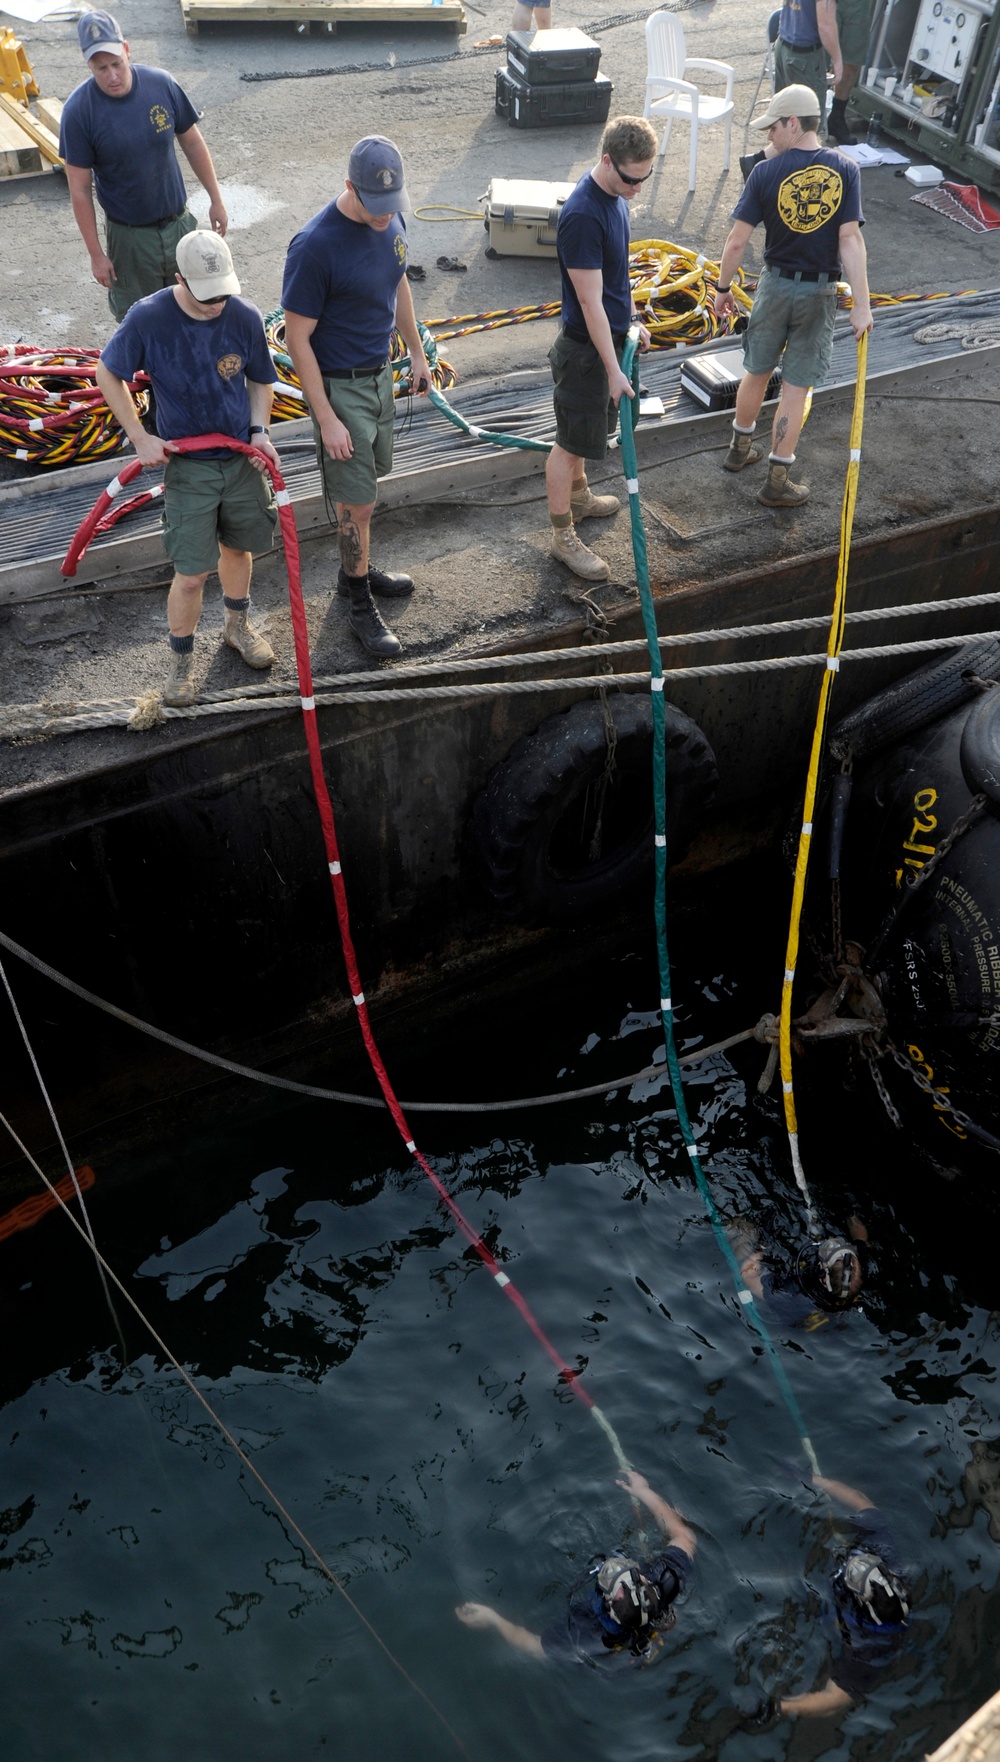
[980, 749]
[526, 819]
[911, 703]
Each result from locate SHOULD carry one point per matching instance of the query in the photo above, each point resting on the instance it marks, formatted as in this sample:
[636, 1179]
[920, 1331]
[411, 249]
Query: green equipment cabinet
[932, 81]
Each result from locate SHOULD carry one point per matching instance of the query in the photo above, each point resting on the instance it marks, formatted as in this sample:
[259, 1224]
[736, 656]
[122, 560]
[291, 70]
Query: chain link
[940, 1101]
[916, 881]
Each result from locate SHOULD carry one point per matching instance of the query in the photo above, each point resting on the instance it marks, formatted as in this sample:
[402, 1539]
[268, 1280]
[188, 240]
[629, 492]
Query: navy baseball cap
[375, 169]
[98, 31]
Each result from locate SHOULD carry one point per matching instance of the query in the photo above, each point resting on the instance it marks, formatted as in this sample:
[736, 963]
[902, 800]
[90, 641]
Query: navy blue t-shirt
[593, 233]
[589, 1635]
[128, 142]
[345, 274]
[199, 366]
[803, 197]
[866, 1648]
[798, 24]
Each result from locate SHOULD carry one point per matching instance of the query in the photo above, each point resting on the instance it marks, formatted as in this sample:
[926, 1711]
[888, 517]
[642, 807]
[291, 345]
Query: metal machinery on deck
[932, 80]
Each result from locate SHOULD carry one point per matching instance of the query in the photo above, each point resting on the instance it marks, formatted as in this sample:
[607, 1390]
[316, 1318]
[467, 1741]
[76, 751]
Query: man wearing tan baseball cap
[808, 198]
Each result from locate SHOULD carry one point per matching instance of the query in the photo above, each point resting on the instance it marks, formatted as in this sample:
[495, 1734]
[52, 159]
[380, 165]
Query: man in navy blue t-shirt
[808, 198]
[206, 353]
[592, 241]
[621, 1612]
[118, 129]
[344, 292]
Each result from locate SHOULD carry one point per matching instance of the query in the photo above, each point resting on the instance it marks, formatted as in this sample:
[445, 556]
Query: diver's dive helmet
[881, 1595]
[830, 1272]
[629, 1598]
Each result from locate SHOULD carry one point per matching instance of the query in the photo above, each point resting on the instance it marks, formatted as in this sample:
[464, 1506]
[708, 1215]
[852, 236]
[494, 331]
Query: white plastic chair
[670, 94]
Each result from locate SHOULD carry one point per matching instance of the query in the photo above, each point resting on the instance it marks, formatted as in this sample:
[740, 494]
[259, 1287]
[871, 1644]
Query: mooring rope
[627, 410]
[107, 1271]
[833, 651]
[307, 699]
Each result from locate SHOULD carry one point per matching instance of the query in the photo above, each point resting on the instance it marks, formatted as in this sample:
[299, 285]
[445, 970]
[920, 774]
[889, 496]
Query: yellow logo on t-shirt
[809, 197]
[160, 118]
[229, 366]
[400, 248]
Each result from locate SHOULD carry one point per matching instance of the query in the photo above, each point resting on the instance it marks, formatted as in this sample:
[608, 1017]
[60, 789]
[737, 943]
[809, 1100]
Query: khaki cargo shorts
[208, 502]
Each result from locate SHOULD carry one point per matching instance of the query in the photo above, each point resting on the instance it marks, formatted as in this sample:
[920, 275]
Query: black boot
[365, 622]
[748, 161]
[836, 127]
[391, 587]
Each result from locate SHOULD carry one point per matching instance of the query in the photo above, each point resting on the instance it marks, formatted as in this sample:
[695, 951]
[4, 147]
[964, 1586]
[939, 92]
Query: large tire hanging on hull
[564, 833]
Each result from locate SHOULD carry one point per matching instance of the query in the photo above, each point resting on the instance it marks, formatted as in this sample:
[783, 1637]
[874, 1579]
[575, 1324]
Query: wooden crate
[29, 143]
[326, 13]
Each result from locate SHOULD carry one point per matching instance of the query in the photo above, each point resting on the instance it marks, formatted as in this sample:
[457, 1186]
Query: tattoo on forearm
[351, 548]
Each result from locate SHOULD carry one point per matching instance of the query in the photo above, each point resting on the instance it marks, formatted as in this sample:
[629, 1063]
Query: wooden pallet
[29, 142]
[327, 14]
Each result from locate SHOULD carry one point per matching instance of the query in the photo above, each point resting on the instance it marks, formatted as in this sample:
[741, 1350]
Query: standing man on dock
[206, 353]
[622, 1609]
[592, 244]
[809, 200]
[344, 292]
[118, 129]
[807, 35]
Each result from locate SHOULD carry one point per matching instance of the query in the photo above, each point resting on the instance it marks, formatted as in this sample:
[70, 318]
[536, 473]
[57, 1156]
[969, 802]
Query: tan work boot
[180, 689]
[571, 550]
[584, 505]
[779, 491]
[741, 451]
[240, 634]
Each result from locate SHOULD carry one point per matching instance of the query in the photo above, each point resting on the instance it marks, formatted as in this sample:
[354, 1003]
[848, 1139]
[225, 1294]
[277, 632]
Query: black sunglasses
[634, 181]
[216, 300]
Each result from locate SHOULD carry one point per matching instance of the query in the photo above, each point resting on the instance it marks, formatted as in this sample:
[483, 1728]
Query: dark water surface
[155, 1606]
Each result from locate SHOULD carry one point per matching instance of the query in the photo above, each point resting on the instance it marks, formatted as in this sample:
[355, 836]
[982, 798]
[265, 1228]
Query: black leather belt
[806, 48]
[801, 274]
[618, 337]
[136, 226]
[356, 372]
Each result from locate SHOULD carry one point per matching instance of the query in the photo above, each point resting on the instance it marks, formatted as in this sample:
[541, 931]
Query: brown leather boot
[741, 451]
[779, 491]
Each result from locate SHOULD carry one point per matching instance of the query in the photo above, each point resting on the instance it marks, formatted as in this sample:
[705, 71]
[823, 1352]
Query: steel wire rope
[835, 642]
[315, 1092]
[567, 1376]
[108, 1271]
[630, 366]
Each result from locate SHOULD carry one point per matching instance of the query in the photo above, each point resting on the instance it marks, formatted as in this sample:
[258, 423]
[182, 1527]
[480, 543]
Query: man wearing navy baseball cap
[344, 293]
[118, 131]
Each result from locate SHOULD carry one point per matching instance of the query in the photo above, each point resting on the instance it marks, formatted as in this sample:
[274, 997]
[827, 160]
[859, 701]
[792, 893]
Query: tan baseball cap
[790, 101]
[206, 263]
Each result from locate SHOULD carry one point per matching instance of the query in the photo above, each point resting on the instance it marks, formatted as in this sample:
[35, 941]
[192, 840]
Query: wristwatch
[258, 428]
[719, 290]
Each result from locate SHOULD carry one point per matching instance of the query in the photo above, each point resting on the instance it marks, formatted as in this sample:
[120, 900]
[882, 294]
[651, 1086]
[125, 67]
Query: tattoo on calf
[351, 548]
[780, 429]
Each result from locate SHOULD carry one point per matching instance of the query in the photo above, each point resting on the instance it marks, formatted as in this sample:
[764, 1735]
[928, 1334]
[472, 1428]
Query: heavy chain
[960, 827]
[940, 1101]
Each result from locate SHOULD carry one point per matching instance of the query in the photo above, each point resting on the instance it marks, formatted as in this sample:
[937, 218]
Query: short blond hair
[629, 140]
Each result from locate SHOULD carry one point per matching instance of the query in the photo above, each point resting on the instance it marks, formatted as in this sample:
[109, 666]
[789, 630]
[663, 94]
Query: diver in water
[871, 1601]
[623, 1608]
[825, 1276]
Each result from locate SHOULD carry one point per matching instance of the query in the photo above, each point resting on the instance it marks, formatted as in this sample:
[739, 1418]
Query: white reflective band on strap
[833, 663]
[632, 485]
[157, 490]
[411, 1147]
[789, 975]
[807, 828]
[36, 423]
[656, 684]
[700, 261]
[666, 1003]
[282, 498]
[744, 1296]
[660, 840]
[359, 1000]
[692, 1150]
[114, 488]
[501, 1278]
[308, 703]
[334, 868]
[477, 433]
[20, 453]
[787, 1087]
[855, 455]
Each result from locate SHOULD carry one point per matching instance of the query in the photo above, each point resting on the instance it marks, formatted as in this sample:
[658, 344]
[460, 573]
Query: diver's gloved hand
[763, 1717]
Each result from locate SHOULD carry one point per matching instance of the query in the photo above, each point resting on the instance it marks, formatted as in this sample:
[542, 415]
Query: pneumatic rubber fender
[534, 822]
[914, 701]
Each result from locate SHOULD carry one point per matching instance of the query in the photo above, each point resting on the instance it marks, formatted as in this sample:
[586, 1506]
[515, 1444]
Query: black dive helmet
[882, 1597]
[829, 1272]
[629, 1598]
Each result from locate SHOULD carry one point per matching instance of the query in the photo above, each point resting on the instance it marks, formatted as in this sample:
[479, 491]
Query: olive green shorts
[585, 414]
[145, 259]
[792, 321]
[802, 67]
[854, 23]
[208, 502]
[365, 407]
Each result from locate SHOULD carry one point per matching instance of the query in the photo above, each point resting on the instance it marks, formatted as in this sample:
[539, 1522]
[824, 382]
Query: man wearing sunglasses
[592, 244]
[206, 354]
